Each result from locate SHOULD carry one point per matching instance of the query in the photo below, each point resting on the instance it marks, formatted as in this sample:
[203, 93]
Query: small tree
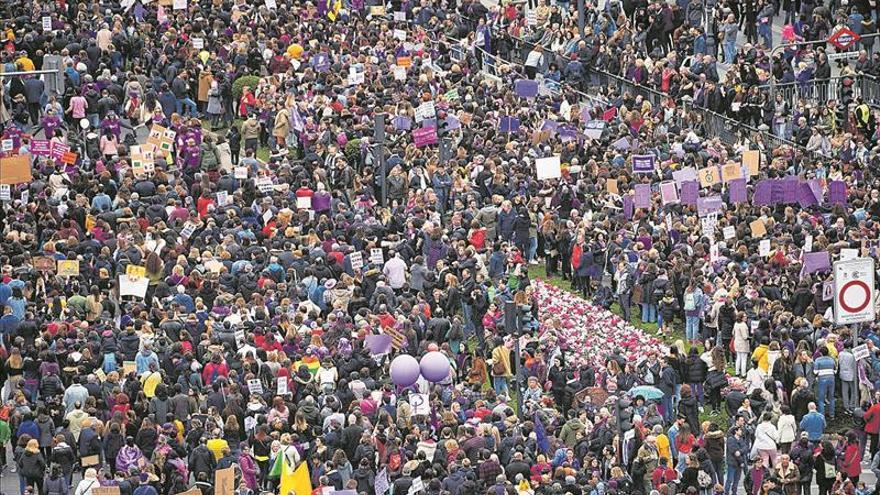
[239, 84]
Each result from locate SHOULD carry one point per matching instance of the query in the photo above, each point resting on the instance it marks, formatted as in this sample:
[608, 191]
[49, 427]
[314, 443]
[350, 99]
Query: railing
[820, 91]
[714, 124]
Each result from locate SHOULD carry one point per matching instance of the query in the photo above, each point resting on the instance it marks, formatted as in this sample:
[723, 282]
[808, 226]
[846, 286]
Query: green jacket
[5, 433]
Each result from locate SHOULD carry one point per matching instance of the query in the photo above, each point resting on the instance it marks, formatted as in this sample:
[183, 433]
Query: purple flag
[837, 192]
[509, 124]
[816, 262]
[777, 191]
[737, 191]
[567, 134]
[763, 194]
[378, 344]
[690, 192]
[452, 123]
[816, 189]
[526, 88]
[550, 124]
[709, 204]
[643, 164]
[628, 206]
[805, 196]
[643, 195]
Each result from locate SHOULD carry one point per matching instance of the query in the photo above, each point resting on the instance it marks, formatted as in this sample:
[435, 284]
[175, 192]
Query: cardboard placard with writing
[15, 169]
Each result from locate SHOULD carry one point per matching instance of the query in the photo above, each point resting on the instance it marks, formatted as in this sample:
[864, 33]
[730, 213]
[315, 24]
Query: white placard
[399, 73]
[239, 337]
[25, 196]
[255, 386]
[130, 286]
[264, 185]
[5, 192]
[764, 247]
[281, 388]
[357, 260]
[267, 216]
[400, 16]
[304, 202]
[7, 145]
[271, 4]
[548, 168]
[355, 78]
[848, 254]
[808, 243]
[729, 232]
[421, 406]
[222, 198]
[179, 4]
[198, 43]
[417, 486]
[376, 256]
[854, 291]
[47, 23]
[400, 34]
[861, 352]
[241, 173]
[189, 229]
[425, 111]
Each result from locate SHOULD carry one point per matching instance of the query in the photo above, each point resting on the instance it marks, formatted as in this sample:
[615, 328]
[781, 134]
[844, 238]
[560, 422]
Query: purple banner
[628, 206]
[816, 189]
[526, 88]
[643, 164]
[709, 204]
[509, 124]
[643, 195]
[40, 147]
[402, 123]
[378, 344]
[805, 196]
[737, 191]
[425, 136]
[690, 192]
[816, 262]
[790, 190]
[837, 192]
[763, 195]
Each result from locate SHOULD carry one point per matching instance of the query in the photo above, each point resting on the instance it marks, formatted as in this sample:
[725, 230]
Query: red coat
[851, 464]
[872, 419]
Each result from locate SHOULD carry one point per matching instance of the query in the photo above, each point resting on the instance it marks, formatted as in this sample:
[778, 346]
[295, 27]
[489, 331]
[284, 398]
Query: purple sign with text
[690, 192]
[643, 164]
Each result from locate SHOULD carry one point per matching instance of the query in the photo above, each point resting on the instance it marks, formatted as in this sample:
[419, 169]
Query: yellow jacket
[501, 354]
[760, 355]
[663, 449]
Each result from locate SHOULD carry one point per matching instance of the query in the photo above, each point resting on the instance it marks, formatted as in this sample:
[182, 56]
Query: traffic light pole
[379, 154]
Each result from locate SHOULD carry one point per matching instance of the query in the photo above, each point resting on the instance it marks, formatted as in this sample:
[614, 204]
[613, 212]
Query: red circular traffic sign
[856, 308]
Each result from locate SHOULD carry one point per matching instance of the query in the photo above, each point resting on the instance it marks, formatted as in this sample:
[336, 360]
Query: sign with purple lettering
[425, 136]
[737, 191]
[526, 88]
[684, 175]
[837, 192]
[321, 62]
[643, 195]
[643, 164]
[763, 194]
[690, 192]
[709, 204]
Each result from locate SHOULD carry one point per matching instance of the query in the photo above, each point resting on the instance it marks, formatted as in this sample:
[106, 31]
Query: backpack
[703, 479]
[109, 362]
[690, 301]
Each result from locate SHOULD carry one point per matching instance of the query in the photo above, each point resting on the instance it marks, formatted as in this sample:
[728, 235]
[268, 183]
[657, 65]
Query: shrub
[239, 84]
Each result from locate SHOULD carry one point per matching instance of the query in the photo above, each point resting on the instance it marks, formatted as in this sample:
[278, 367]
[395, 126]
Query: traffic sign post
[854, 291]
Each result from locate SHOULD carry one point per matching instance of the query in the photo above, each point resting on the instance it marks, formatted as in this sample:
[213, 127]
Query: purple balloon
[435, 366]
[404, 370]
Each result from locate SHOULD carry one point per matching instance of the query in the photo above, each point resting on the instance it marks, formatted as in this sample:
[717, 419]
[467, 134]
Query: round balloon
[404, 370]
[434, 366]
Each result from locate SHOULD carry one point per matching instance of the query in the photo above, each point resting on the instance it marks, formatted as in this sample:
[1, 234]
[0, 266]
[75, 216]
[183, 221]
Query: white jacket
[787, 428]
[766, 436]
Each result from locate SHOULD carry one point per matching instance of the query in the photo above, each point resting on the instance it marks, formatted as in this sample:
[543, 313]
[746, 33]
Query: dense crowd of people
[213, 256]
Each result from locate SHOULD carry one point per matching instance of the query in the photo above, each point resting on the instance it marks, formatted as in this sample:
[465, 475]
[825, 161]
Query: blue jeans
[467, 316]
[666, 402]
[731, 481]
[649, 313]
[766, 34]
[826, 392]
[192, 108]
[499, 383]
[697, 389]
[533, 248]
[692, 327]
[729, 51]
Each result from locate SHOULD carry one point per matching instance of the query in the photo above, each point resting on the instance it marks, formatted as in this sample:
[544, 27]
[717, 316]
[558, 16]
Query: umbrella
[646, 391]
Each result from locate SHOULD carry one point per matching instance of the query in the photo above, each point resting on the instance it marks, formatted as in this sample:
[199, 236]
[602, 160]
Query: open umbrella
[646, 391]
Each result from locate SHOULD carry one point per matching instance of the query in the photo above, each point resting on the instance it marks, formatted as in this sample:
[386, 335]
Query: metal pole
[581, 20]
[516, 350]
[29, 72]
[379, 154]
